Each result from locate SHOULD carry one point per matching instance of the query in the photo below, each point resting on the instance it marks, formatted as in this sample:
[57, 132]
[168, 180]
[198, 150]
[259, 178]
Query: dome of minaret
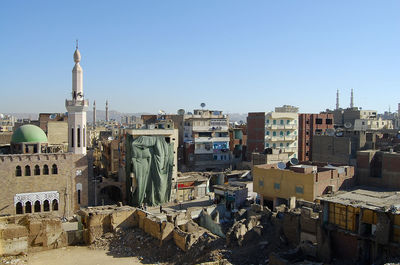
[77, 56]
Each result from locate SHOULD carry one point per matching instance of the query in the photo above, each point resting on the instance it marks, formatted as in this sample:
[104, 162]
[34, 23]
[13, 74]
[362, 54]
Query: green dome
[29, 133]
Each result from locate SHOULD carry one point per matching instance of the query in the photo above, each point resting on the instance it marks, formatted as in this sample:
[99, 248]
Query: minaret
[94, 113]
[106, 110]
[351, 99]
[77, 108]
[337, 99]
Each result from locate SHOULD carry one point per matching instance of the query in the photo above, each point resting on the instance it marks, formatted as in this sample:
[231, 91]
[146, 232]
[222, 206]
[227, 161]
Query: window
[277, 186]
[45, 170]
[55, 205]
[274, 145]
[318, 121]
[287, 121]
[267, 121]
[54, 169]
[28, 207]
[72, 137]
[79, 196]
[281, 121]
[84, 137]
[299, 189]
[78, 134]
[46, 206]
[261, 183]
[267, 145]
[287, 144]
[18, 208]
[267, 133]
[37, 206]
[281, 144]
[36, 172]
[288, 133]
[328, 121]
[18, 172]
[281, 133]
[27, 170]
[274, 122]
[273, 133]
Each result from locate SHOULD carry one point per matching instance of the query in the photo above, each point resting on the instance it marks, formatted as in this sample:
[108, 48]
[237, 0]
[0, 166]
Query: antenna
[76, 43]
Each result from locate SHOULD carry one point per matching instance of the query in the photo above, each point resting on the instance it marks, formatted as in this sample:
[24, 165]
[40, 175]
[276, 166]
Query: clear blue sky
[236, 56]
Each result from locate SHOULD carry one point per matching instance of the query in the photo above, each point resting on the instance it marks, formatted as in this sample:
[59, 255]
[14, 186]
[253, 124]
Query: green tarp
[150, 159]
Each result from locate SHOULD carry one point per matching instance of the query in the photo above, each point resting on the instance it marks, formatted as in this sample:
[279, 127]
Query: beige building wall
[57, 132]
[71, 170]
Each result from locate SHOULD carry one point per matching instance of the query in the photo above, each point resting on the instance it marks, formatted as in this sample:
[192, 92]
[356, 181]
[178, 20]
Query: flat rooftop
[368, 198]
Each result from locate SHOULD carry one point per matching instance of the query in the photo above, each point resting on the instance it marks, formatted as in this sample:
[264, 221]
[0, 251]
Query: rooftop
[366, 197]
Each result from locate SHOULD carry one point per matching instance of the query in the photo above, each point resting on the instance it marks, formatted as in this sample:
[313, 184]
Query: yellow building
[276, 186]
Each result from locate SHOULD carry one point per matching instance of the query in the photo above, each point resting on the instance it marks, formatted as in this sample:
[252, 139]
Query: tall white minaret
[337, 99]
[94, 113]
[106, 110]
[352, 99]
[77, 108]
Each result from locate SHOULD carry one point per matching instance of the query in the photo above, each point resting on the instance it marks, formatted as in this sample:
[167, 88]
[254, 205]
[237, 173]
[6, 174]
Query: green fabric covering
[150, 159]
[29, 133]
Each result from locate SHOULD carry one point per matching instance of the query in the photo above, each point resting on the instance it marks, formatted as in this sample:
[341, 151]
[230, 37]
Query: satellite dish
[339, 133]
[202, 105]
[347, 125]
[189, 113]
[294, 161]
[330, 132]
[181, 112]
[281, 165]
[53, 116]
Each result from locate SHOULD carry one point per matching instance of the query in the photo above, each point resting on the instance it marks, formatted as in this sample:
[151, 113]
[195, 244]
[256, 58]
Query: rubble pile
[135, 242]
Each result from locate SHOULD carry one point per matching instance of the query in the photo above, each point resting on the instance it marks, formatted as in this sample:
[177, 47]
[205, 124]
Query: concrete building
[362, 225]
[305, 181]
[275, 130]
[170, 138]
[378, 169]
[310, 125]
[55, 125]
[206, 139]
[238, 143]
[7, 123]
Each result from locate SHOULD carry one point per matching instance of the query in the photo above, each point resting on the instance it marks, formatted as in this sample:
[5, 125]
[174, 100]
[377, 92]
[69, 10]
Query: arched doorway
[109, 195]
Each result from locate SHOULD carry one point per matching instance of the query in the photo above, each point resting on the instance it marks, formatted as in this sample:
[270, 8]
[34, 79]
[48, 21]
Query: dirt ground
[78, 255]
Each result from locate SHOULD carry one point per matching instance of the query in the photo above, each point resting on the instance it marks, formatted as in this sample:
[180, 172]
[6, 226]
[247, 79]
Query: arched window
[18, 208]
[54, 169]
[273, 133]
[45, 170]
[274, 122]
[28, 207]
[37, 206]
[27, 170]
[281, 121]
[46, 206]
[18, 171]
[55, 205]
[281, 133]
[37, 170]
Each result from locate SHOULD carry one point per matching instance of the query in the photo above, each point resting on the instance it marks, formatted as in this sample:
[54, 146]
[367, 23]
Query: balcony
[286, 138]
[281, 126]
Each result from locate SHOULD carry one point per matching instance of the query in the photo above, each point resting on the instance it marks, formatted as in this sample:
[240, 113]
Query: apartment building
[206, 139]
[310, 125]
[274, 130]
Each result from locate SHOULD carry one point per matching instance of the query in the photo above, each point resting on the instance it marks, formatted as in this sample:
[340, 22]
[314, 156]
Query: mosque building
[34, 179]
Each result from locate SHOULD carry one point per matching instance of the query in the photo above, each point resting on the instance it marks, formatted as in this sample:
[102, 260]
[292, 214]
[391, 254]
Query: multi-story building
[362, 224]
[305, 181]
[206, 138]
[7, 123]
[310, 125]
[275, 130]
